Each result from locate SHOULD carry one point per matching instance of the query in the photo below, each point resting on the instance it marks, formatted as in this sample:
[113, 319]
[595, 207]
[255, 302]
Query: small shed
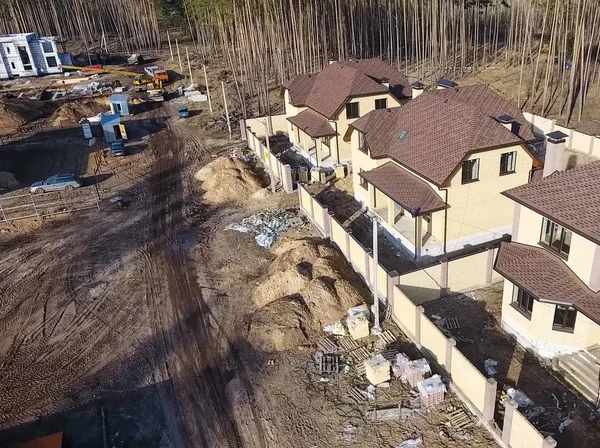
[119, 104]
[112, 128]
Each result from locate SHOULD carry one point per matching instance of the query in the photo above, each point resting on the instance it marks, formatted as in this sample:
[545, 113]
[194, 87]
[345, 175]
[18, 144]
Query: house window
[51, 61]
[24, 56]
[12, 64]
[381, 104]
[564, 318]
[363, 182]
[508, 162]
[470, 171]
[556, 238]
[523, 302]
[352, 110]
[47, 47]
[8, 50]
[326, 141]
[361, 143]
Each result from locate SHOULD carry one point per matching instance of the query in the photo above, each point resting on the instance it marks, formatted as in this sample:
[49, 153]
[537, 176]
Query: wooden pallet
[347, 344]
[327, 346]
[357, 395]
[459, 419]
[360, 354]
[388, 337]
[390, 354]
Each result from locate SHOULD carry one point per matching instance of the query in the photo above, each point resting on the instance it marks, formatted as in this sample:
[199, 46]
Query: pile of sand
[308, 286]
[15, 112]
[227, 180]
[71, 112]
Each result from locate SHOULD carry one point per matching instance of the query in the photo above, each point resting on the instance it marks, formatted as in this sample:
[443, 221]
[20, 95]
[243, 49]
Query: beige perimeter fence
[473, 388]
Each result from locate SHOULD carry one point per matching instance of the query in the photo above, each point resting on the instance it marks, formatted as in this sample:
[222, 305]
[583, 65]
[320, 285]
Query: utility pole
[170, 46]
[376, 326]
[207, 89]
[178, 56]
[187, 55]
[226, 111]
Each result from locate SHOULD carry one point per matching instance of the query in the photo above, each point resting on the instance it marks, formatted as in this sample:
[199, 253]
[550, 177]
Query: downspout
[337, 142]
[416, 235]
[445, 219]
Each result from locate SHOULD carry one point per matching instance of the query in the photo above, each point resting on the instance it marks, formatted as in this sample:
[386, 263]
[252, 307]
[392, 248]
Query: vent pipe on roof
[555, 149]
[417, 89]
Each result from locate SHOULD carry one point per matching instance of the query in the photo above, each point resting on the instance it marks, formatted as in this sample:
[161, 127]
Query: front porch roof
[413, 194]
[312, 124]
[547, 277]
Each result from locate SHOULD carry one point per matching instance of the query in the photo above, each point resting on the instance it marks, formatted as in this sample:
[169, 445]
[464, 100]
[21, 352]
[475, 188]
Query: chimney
[417, 89]
[444, 83]
[507, 121]
[385, 82]
[555, 148]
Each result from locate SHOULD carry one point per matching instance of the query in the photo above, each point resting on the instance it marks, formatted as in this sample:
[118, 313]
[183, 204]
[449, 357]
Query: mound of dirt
[16, 112]
[308, 286]
[226, 181]
[70, 113]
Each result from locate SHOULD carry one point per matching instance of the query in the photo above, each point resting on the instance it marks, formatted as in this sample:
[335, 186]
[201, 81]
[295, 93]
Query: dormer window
[352, 111]
[381, 103]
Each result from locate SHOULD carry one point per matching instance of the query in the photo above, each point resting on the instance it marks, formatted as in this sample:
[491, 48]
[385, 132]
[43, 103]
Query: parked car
[183, 112]
[58, 182]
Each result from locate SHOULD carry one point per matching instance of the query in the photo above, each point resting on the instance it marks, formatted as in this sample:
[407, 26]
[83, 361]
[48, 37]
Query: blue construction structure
[111, 127]
[119, 104]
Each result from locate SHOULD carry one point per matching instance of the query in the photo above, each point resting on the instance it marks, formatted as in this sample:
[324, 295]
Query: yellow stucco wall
[467, 272]
[404, 312]
[360, 160]
[539, 328]
[433, 340]
[357, 255]
[581, 255]
[420, 286]
[478, 206]
[468, 379]
[338, 235]
[523, 434]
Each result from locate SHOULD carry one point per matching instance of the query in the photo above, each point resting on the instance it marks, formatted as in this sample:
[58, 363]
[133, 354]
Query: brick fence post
[418, 316]
[444, 289]
[491, 256]
[549, 442]
[450, 344]
[489, 399]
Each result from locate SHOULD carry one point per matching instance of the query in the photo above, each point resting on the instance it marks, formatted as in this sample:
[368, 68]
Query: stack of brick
[377, 370]
[416, 371]
[432, 391]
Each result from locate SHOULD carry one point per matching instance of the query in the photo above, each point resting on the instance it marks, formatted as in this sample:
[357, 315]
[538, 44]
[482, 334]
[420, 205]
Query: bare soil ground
[480, 337]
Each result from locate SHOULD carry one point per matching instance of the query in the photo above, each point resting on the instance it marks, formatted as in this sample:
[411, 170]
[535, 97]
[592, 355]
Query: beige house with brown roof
[434, 169]
[551, 300]
[319, 107]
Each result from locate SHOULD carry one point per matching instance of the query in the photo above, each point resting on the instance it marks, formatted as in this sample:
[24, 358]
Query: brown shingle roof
[441, 130]
[547, 277]
[413, 194]
[570, 198]
[326, 91]
[312, 123]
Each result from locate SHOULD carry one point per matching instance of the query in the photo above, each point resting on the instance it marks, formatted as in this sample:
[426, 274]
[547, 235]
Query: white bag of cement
[411, 443]
[490, 366]
[400, 364]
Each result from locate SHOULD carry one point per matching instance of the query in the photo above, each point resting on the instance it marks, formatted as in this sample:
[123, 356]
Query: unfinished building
[29, 55]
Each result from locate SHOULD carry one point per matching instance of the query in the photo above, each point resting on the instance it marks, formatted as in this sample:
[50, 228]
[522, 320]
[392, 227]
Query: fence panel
[318, 215]
[420, 286]
[404, 313]
[467, 272]
[307, 200]
[338, 236]
[357, 256]
[433, 340]
[523, 434]
[468, 379]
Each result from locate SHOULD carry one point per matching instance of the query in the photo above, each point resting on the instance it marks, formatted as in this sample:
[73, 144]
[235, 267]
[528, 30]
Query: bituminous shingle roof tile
[570, 198]
[312, 123]
[326, 91]
[413, 194]
[547, 277]
[440, 129]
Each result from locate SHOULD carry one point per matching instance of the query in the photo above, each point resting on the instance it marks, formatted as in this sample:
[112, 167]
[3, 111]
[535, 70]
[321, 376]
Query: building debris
[389, 414]
[337, 329]
[522, 400]
[358, 322]
[400, 364]
[566, 422]
[490, 366]
[349, 433]
[268, 225]
[432, 391]
[412, 443]
[377, 369]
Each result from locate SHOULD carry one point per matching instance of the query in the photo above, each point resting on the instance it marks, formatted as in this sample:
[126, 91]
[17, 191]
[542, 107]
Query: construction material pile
[69, 113]
[268, 225]
[15, 112]
[228, 180]
[308, 285]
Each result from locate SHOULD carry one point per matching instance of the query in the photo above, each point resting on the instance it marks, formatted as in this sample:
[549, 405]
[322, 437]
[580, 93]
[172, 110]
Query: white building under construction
[28, 55]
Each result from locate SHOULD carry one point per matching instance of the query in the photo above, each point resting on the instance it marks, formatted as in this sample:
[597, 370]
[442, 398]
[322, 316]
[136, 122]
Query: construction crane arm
[100, 70]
